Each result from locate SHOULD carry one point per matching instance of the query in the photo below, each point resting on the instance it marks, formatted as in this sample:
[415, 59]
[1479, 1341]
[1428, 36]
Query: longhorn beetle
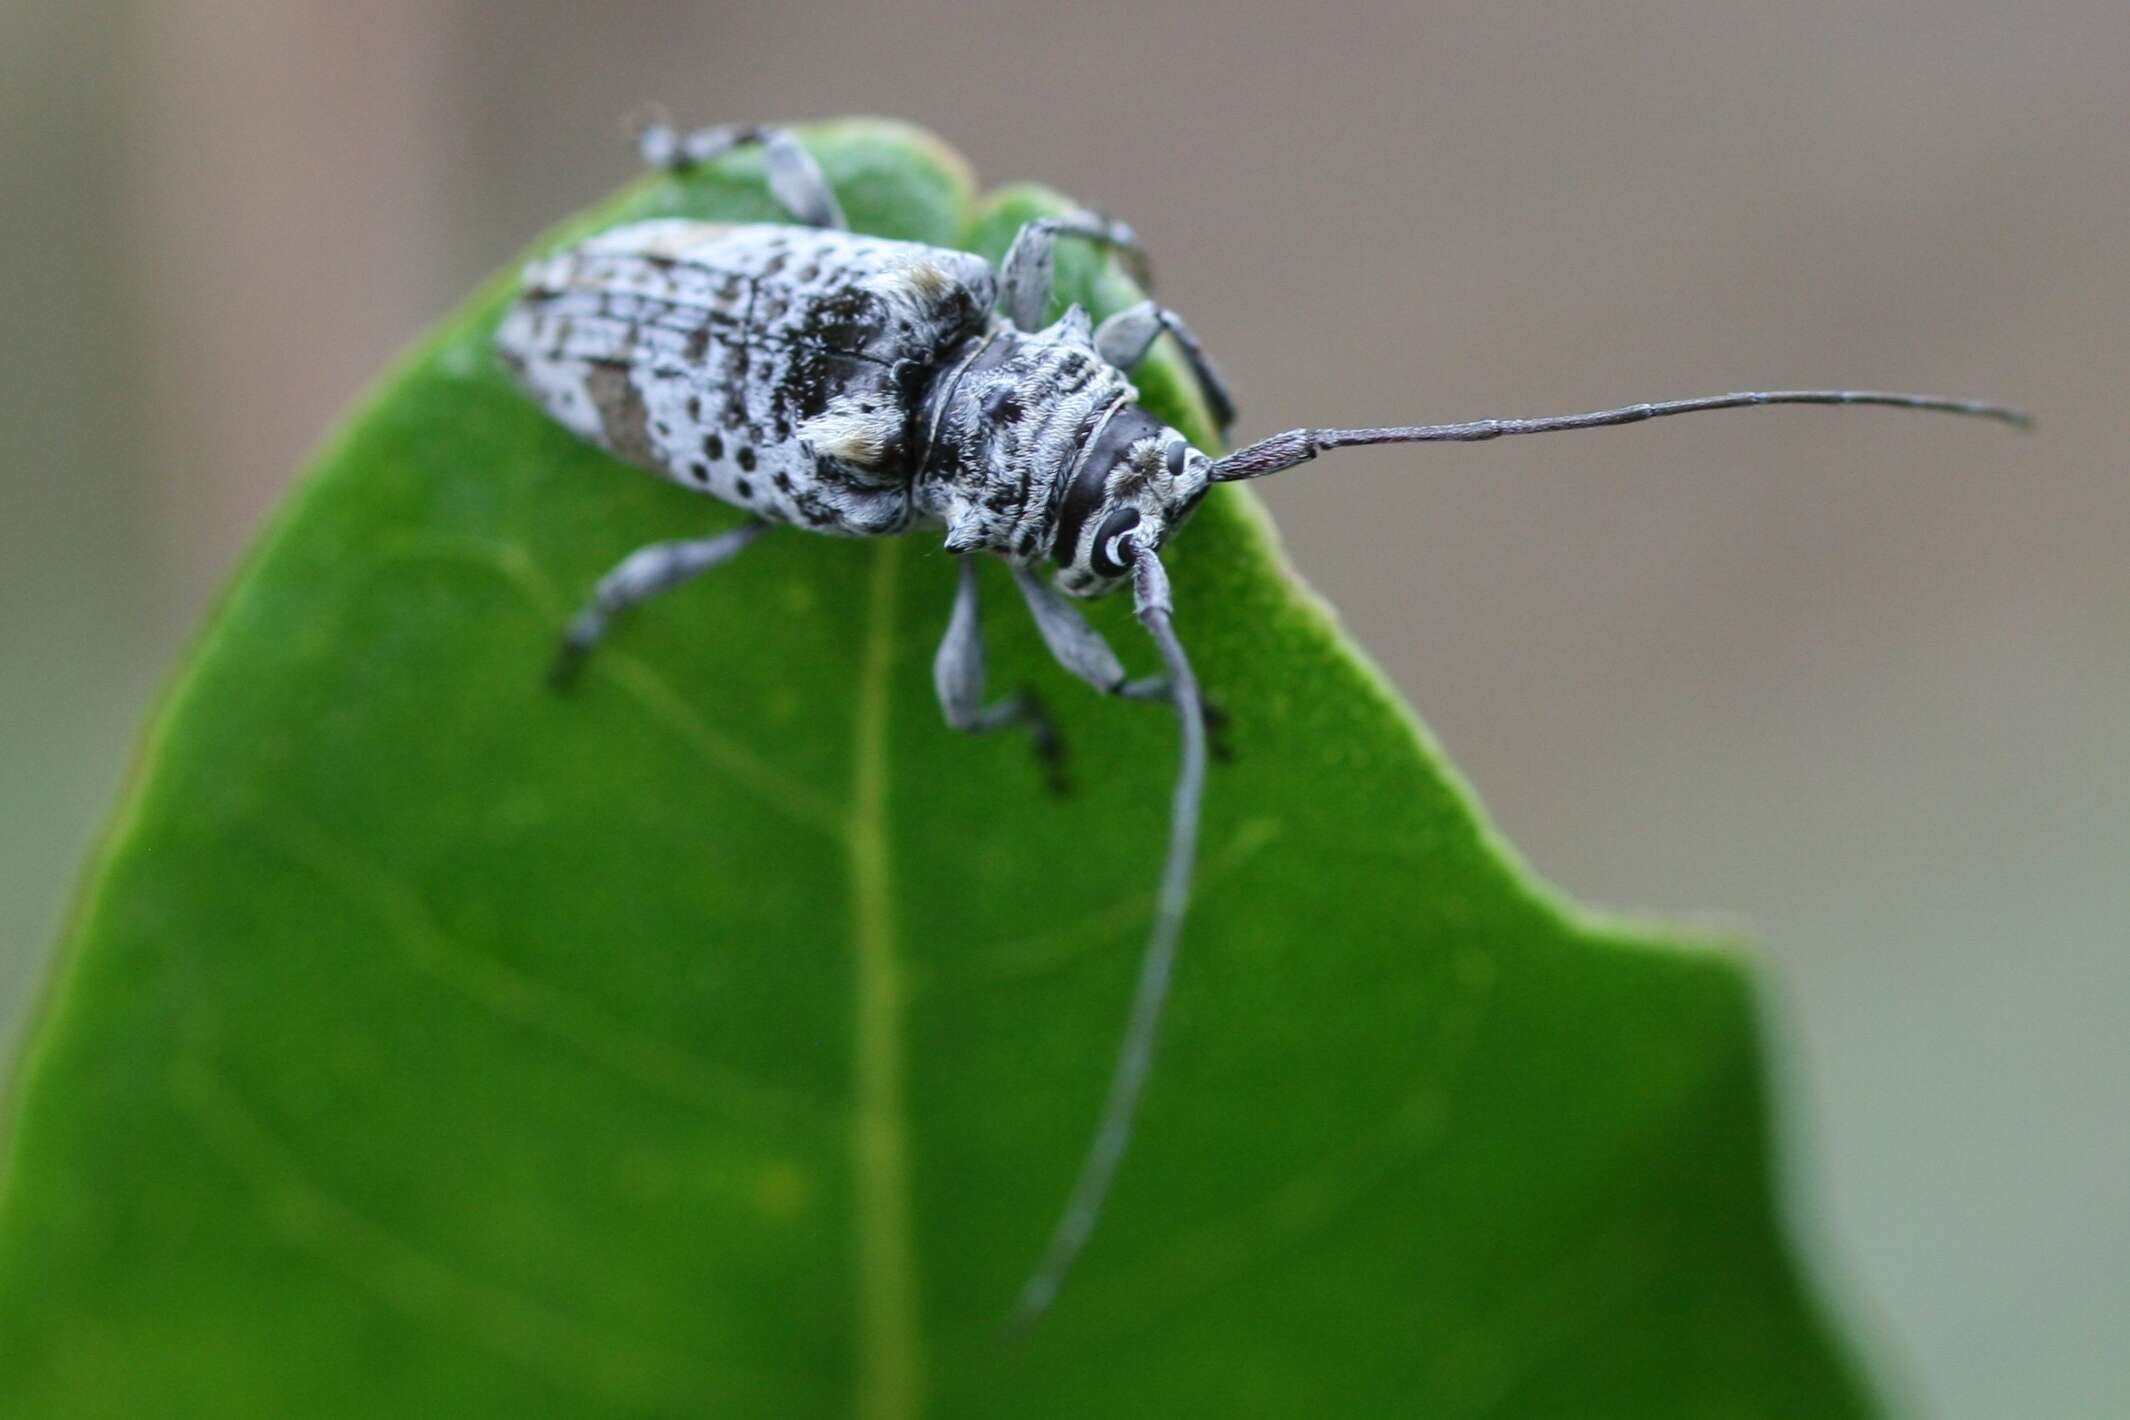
[860, 387]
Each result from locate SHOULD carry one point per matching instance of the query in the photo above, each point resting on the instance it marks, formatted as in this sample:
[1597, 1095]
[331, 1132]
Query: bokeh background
[1857, 678]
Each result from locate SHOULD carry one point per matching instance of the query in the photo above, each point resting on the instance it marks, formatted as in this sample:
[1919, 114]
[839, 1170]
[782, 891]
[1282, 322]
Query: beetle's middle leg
[641, 575]
[795, 179]
[958, 675]
[1024, 277]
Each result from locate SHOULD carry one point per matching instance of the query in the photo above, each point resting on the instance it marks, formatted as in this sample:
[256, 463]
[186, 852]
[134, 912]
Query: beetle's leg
[958, 674]
[641, 575]
[1081, 649]
[1125, 337]
[1157, 965]
[795, 179]
[1024, 276]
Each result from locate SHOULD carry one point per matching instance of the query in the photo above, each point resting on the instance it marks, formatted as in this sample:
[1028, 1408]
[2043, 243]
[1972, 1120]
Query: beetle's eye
[1176, 454]
[1108, 555]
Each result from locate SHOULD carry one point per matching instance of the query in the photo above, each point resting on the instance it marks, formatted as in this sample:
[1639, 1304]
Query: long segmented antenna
[1297, 446]
[1150, 595]
[1150, 588]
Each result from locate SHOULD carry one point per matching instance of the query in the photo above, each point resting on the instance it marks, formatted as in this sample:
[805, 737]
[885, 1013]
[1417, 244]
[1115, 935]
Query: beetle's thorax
[1008, 423]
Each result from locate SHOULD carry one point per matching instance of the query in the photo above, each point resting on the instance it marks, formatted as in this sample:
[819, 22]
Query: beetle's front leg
[1081, 649]
[958, 675]
[1125, 337]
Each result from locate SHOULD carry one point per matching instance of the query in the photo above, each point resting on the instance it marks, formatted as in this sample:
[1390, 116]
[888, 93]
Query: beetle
[855, 386]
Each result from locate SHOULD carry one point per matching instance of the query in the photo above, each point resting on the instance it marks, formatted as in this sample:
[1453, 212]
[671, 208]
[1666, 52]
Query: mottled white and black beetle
[852, 385]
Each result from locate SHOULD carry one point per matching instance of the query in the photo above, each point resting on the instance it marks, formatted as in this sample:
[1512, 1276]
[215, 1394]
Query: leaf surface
[722, 1038]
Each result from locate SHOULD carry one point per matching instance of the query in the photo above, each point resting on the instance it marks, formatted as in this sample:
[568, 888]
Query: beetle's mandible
[861, 387]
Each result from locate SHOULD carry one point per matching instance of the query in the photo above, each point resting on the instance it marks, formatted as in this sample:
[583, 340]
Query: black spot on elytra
[743, 488]
[782, 481]
[744, 457]
[701, 471]
[842, 320]
[810, 380]
[713, 447]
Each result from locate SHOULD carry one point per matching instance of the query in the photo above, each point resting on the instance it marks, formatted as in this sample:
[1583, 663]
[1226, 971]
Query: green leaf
[721, 1039]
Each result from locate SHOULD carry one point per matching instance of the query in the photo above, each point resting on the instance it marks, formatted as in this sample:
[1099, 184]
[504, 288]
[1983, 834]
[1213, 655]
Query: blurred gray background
[1856, 677]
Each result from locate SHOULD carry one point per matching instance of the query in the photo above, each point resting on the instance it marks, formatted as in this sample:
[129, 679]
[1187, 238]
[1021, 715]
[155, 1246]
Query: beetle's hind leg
[1024, 277]
[795, 179]
[641, 575]
[958, 675]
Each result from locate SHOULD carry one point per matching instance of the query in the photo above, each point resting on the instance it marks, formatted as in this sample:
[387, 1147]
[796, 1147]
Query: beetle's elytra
[851, 385]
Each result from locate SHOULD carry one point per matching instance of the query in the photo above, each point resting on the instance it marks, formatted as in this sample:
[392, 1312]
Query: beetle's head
[1137, 480]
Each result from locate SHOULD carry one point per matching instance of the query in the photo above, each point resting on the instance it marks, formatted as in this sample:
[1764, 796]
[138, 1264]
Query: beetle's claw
[1217, 723]
[568, 664]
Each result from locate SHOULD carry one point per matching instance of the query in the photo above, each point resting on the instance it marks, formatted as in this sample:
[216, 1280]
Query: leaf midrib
[890, 1351]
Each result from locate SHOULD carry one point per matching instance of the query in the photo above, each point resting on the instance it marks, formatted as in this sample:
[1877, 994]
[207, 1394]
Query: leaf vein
[426, 948]
[1133, 1299]
[409, 1279]
[1056, 948]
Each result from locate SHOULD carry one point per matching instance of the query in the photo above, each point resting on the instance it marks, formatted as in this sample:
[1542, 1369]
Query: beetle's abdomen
[777, 368]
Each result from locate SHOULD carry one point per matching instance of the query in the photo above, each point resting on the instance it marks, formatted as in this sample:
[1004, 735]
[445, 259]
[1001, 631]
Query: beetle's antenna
[1150, 593]
[1297, 446]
